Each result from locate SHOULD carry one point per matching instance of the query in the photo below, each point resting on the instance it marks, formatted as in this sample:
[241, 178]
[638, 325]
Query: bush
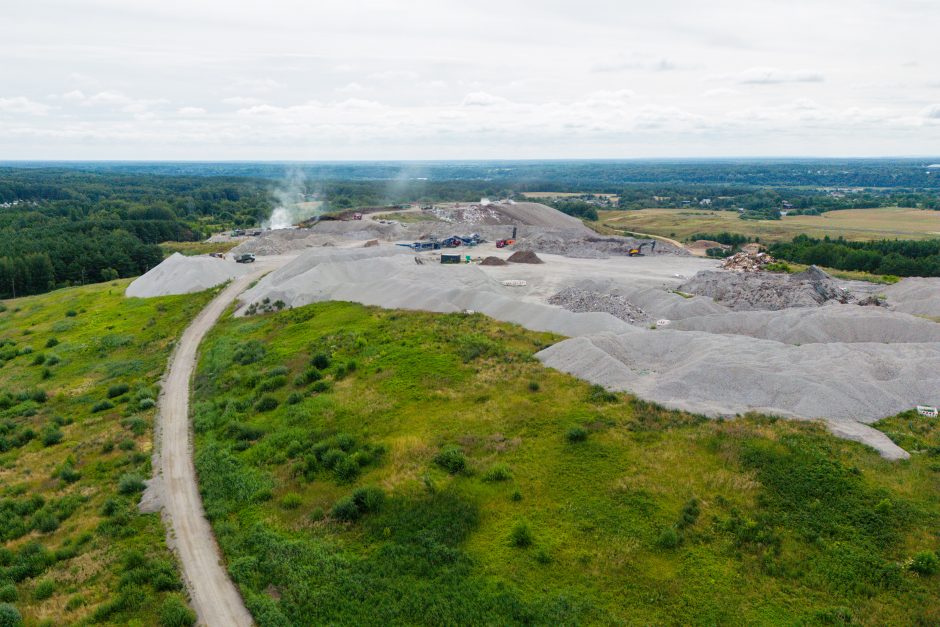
[321, 361]
[668, 539]
[534, 386]
[101, 406]
[598, 394]
[321, 386]
[43, 590]
[10, 616]
[345, 509]
[521, 536]
[249, 353]
[310, 375]
[294, 397]
[451, 459]
[130, 484]
[346, 469]
[52, 359]
[52, 436]
[266, 403]
[39, 359]
[291, 500]
[117, 390]
[146, 403]
[52, 342]
[38, 396]
[925, 563]
[499, 472]
[272, 383]
[576, 434]
[8, 593]
[369, 499]
[175, 613]
[689, 514]
[71, 313]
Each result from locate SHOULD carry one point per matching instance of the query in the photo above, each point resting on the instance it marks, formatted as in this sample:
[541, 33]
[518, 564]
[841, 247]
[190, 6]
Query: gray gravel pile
[749, 291]
[916, 295]
[590, 245]
[179, 274]
[578, 300]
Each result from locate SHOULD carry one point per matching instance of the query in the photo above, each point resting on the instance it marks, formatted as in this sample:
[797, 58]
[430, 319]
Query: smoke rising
[292, 203]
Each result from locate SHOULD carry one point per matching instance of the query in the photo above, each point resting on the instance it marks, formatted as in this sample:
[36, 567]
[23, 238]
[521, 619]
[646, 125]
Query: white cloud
[22, 105]
[623, 62]
[932, 112]
[772, 76]
[482, 99]
[350, 88]
[242, 101]
[395, 75]
[191, 111]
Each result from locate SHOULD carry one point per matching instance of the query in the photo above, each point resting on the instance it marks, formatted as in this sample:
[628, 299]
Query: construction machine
[502, 243]
[638, 251]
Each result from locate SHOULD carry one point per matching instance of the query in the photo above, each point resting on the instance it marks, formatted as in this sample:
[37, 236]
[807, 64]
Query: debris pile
[749, 291]
[494, 261]
[524, 256]
[581, 301]
[747, 261]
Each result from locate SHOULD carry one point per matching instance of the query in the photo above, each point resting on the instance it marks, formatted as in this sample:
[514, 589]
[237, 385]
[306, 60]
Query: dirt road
[214, 596]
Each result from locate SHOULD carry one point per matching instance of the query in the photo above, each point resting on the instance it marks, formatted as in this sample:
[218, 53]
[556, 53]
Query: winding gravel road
[214, 596]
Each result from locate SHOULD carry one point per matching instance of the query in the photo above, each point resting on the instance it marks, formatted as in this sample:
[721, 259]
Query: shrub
[10, 616]
[130, 483]
[175, 613]
[136, 424]
[272, 383]
[577, 434]
[925, 563]
[451, 459]
[321, 361]
[310, 375]
[499, 472]
[71, 313]
[521, 536]
[534, 386]
[598, 394]
[345, 509]
[39, 359]
[689, 513]
[146, 403]
[101, 406]
[44, 589]
[52, 359]
[45, 522]
[68, 474]
[346, 469]
[332, 457]
[74, 603]
[52, 436]
[8, 593]
[38, 396]
[321, 386]
[249, 353]
[127, 444]
[266, 403]
[369, 499]
[294, 397]
[52, 342]
[668, 539]
[291, 500]
[117, 390]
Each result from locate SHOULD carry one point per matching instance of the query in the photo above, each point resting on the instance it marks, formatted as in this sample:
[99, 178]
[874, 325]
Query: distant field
[853, 224]
[611, 197]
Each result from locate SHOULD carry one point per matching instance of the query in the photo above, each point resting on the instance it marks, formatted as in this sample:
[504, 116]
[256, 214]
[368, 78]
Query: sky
[481, 79]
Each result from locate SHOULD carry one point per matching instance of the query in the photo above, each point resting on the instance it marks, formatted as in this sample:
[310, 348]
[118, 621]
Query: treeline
[897, 257]
[726, 238]
[576, 208]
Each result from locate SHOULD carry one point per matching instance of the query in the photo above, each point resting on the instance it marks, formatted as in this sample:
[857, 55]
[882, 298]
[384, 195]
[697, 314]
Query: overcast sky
[438, 79]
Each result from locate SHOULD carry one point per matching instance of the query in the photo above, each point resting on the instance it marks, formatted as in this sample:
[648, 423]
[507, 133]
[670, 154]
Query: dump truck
[245, 258]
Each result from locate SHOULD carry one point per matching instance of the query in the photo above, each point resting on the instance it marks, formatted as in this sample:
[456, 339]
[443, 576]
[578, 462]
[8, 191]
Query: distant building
[705, 202]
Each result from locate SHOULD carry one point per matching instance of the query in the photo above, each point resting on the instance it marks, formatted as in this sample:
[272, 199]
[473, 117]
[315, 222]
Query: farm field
[371, 467]
[852, 224]
[78, 385]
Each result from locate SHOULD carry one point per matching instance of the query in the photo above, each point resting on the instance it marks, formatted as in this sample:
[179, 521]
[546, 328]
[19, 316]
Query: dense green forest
[897, 257]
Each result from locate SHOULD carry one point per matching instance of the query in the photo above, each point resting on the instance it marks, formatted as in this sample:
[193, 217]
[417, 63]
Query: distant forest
[70, 223]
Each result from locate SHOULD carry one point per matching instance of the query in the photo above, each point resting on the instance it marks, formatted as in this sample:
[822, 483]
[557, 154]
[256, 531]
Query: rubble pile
[494, 261]
[750, 291]
[581, 301]
[747, 261]
[524, 256]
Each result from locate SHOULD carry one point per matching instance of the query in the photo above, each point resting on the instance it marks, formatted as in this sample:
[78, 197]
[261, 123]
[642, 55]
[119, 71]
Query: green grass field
[79, 370]
[852, 224]
[371, 467]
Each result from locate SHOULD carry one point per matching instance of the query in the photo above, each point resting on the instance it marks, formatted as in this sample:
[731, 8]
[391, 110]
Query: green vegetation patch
[420, 478]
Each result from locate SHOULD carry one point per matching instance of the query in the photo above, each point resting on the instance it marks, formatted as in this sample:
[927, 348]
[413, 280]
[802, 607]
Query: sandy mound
[524, 256]
[829, 323]
[844, 384]
[494, 261]
[748, 291]
[178, 274]
[916, 295]
[537, 214]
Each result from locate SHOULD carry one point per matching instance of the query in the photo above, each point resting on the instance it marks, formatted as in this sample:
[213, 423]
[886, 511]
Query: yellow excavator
[638, 251]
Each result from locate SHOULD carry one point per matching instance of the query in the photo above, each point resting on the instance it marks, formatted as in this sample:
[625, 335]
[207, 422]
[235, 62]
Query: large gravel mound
[748, 291]
[537, 214]
[843, 384]
[829, 323]
[918, 296]
[178, 274]
[590, 245]
[389, 279]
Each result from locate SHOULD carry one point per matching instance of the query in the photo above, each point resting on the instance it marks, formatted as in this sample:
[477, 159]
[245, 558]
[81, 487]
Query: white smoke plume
[292, 202]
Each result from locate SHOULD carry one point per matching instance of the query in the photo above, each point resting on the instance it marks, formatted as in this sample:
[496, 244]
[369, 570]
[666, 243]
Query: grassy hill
[79, 370]
[372, 467]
